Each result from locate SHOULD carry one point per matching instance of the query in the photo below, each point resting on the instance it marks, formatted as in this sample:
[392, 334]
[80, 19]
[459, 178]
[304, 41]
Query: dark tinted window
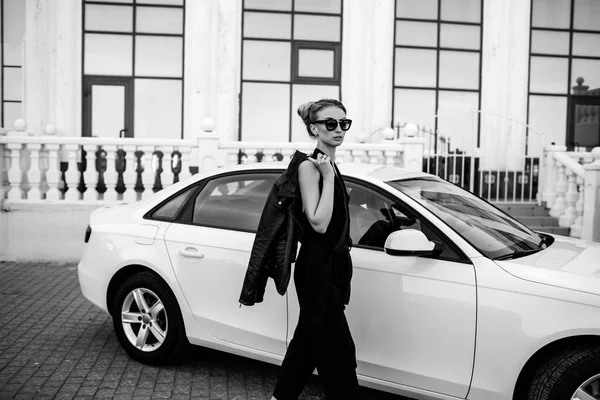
[233, 202]
[168, 211]
[373, 217]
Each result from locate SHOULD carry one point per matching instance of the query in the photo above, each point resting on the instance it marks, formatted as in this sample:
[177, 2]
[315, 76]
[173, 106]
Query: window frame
[133, 34]
[410, 211]
[571, 95]
[438, 48]
[296, 45]
[306, 45]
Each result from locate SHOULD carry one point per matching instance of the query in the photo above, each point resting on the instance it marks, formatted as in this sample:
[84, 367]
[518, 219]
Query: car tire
[147, 319]
[566, 372]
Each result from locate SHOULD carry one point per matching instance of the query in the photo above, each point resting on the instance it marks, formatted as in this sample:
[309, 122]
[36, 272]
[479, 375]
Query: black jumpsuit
[322, 337]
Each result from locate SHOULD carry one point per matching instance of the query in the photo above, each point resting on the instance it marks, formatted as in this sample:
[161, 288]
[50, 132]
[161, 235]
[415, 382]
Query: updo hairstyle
[309, 110]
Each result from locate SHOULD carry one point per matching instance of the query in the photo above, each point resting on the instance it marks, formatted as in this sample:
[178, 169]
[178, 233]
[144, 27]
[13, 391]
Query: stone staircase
[534, 216]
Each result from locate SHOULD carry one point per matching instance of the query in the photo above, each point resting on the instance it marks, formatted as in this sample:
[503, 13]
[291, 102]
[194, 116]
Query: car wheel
[572, 374]
[147, 319]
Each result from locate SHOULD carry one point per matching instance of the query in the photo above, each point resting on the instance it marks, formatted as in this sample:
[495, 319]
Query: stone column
[505, 60]
[367, 64]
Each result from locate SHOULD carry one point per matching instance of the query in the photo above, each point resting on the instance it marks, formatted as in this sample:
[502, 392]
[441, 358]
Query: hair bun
[304, 110]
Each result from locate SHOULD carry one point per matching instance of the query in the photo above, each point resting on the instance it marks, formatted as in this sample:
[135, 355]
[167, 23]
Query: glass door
[584, 123]
[108, 104]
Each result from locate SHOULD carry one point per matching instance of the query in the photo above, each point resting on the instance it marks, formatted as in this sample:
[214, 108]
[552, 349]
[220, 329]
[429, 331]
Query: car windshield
[492, 232]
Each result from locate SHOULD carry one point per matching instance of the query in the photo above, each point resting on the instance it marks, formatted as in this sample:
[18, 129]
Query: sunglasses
[331, 124]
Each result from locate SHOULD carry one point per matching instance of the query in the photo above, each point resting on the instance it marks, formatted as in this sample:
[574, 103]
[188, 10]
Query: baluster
[571, 195]
[71, 174]
[129, 174]
[576, 227]
[388, 157]
[101, 164]
[157, 168]
[44, 166]
[63, 166]
[176, 164]
[24, 166]
[561, 188]
[149, 172]
[35, 193]
[111, 175]
[82, 166]
[90, 174]
[139, 170]
[120, 166]
[6, 166]
[14, 173]
[53, 174]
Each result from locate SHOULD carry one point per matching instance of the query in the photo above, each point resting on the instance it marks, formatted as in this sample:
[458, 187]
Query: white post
[208, 147]
[567, 219]
[559, 206]
[413, 153]
[591, 202]
[550, 174]
[576, 227]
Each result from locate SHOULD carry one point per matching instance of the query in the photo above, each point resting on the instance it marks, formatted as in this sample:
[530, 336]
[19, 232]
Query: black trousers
[326, 346]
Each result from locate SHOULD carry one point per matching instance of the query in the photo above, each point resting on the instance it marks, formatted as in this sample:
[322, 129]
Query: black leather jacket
[276, 242]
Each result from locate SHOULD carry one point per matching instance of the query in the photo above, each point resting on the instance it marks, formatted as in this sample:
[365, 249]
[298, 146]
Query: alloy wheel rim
[589, 390]
[144, 320]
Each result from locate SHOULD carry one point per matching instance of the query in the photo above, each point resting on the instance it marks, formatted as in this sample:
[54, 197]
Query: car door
[412, 318]
[210, 247]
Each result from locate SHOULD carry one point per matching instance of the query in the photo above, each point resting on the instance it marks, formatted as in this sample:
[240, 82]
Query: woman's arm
[318, 207]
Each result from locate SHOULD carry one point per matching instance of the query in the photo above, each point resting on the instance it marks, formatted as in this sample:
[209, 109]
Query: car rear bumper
[92, 286]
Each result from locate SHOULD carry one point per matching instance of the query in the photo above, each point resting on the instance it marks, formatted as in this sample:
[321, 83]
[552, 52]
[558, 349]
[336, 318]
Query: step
[523, 209]
[538, 221]
[553, 230]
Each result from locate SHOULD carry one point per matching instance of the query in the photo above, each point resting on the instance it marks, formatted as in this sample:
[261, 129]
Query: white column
[36, 63]
[550, 176]
[591, 202]
[504, 76]
[65, 68]
[367, 64]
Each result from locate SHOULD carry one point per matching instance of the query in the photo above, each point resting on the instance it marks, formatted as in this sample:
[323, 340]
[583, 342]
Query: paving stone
[57, 345]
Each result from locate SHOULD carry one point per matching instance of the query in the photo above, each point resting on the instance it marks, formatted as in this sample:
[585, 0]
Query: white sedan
[451, 298]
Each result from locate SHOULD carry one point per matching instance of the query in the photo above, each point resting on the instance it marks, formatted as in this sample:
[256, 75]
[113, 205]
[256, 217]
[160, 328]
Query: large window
[12, 31]
[133, 68]
[291, 53]
[437, 67]
[564, 65]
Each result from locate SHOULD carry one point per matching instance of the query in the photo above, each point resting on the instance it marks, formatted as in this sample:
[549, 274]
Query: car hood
[567, 263]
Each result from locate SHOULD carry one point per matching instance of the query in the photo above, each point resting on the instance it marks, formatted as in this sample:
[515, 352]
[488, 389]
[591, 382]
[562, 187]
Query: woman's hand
[323, 164]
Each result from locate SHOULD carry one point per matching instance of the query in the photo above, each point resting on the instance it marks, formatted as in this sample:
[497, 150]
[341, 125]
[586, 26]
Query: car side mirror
[409, 242]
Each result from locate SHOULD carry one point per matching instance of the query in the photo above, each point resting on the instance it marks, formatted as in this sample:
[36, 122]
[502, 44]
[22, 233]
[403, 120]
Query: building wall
[377, 65]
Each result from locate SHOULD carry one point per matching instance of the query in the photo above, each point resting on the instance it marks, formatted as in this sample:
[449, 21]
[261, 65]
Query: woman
[324, 268]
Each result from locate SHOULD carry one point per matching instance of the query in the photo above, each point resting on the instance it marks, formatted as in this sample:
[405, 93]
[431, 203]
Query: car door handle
[191, 252]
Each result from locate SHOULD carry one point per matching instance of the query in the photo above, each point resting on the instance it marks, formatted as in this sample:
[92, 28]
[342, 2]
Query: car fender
[515, 319]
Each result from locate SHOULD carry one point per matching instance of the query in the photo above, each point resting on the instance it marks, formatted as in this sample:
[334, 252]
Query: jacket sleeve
[255, 281]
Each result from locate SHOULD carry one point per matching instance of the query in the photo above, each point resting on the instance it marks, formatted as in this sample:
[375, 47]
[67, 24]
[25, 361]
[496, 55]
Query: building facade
[157, 68]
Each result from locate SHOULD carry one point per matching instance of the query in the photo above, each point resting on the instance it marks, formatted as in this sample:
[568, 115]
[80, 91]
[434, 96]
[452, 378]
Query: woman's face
[334, 137]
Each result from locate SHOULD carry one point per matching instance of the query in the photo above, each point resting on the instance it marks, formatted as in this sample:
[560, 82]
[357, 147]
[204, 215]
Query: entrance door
[108, 105]
[584, 123]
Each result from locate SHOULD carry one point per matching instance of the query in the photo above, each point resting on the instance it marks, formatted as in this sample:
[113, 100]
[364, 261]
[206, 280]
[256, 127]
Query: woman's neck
[329, 150]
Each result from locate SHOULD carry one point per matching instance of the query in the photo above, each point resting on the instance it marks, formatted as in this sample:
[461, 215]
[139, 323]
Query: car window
[373, 217]
[168, 211]
[233, 202]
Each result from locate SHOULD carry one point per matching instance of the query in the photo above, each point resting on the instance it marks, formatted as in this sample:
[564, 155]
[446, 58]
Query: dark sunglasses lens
[331, 124]
[345, 124]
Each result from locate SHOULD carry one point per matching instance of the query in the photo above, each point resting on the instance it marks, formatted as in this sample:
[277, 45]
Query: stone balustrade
[571, 190]
[55, 168]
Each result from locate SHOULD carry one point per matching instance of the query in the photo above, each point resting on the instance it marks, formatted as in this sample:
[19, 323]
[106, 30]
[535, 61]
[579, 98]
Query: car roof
[357, 169]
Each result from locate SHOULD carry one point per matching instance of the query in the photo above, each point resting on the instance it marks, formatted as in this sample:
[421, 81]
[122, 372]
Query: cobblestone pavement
[54, 344]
